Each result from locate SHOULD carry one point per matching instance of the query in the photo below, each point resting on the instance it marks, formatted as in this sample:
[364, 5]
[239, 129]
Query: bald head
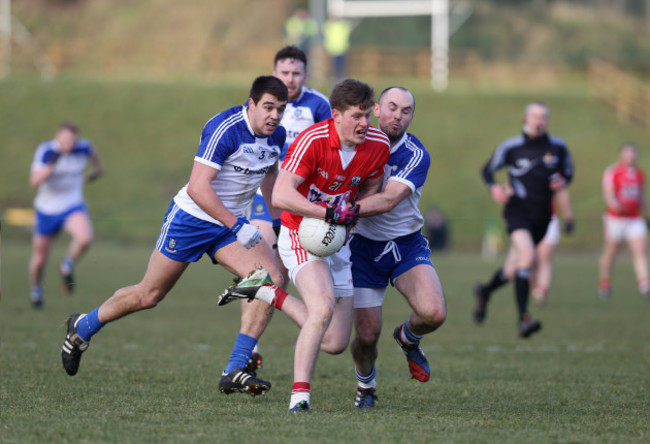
[536, 117]
[394, 112]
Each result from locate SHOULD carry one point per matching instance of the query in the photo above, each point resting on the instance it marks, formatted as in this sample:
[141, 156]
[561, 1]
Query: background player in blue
[538, 164]
[389, 247]
[306, 106]
[237, 154]
[58, 171]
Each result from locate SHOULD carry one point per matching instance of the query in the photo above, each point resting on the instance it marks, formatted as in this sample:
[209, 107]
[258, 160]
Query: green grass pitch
[152, 377]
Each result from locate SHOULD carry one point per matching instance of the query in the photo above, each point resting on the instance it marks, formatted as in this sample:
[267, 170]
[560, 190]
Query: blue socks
[89, 325]
[241, 352]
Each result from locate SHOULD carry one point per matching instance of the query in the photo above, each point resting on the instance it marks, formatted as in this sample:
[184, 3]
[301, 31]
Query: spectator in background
[624, 194]
[300, 30]
[58, 173]
[337, 43]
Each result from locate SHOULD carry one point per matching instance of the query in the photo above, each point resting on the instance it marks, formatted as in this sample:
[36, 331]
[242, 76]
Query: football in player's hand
[321, 238]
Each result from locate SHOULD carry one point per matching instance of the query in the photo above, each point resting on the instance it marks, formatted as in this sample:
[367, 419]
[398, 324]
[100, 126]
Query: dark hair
[268, 84]
[70, 126]
[290, 52]
[351, 92]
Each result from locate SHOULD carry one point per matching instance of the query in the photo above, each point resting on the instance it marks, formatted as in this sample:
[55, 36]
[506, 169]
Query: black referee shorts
[535, 226]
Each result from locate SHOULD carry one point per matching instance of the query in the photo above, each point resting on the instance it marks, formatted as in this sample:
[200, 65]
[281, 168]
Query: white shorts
[294, 257]
[369, 297]
[552, 235]
[618, 229]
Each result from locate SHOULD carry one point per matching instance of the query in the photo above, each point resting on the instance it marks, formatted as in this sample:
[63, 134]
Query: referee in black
[538, 165]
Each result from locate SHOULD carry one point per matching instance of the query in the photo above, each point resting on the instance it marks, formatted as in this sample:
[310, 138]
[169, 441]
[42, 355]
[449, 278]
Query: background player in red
[623, 191]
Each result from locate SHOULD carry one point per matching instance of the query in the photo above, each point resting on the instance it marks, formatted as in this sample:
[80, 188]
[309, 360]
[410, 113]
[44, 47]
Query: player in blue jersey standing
[306, 106]
[58, 171]
[389, 247]
[238, 153]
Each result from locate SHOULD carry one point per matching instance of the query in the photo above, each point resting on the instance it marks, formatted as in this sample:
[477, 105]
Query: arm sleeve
[412, 171]
[567, 167]
[488, 171]
[215, 147]
[301, 162]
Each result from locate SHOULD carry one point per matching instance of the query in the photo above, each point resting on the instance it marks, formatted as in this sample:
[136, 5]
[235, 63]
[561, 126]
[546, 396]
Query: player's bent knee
[322, 314]
[334, 346]
[151, 298]
[434, 318]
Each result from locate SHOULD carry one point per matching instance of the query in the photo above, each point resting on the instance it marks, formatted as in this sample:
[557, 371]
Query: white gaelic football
[321, 238]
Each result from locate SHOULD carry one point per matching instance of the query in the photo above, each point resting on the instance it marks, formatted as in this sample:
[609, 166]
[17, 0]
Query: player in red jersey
[328, 162]
[329, 165]
[623, 191]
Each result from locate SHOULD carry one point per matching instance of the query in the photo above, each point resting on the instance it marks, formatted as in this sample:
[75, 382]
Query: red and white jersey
[316, 156]
[628, 183]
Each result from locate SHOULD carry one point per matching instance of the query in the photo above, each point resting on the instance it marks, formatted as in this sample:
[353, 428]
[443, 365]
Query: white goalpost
[437, 9]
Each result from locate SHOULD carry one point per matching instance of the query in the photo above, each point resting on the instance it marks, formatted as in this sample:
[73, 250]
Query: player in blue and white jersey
[389, 247]
[306, 106]
[58, 171]
[238, 153]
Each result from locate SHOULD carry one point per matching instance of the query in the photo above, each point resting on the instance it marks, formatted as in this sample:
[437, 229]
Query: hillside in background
[166, 39]
[154, 38]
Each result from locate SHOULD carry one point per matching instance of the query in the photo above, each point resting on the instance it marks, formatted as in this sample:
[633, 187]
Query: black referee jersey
[532, 164]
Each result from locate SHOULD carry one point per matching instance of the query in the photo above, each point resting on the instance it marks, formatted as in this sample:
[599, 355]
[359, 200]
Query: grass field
[152, 377]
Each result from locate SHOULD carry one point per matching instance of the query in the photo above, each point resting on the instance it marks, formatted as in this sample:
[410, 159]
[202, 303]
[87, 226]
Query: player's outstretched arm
[378, 203]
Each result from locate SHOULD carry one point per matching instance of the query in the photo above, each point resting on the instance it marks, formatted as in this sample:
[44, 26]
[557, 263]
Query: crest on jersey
[550, 160]
[355, 181]
[297, 112]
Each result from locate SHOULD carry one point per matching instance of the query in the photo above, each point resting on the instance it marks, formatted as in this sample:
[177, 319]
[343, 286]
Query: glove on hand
[248, 235]
[346, 212]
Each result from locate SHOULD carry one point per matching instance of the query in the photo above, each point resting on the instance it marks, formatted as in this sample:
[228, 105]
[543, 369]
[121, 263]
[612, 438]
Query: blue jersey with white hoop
[408, 164]
[228, 144]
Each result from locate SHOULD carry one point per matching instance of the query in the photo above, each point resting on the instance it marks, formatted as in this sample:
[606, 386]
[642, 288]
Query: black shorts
[536, 227]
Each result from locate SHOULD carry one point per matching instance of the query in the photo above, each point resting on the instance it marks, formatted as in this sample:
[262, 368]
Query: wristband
[235, 228]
